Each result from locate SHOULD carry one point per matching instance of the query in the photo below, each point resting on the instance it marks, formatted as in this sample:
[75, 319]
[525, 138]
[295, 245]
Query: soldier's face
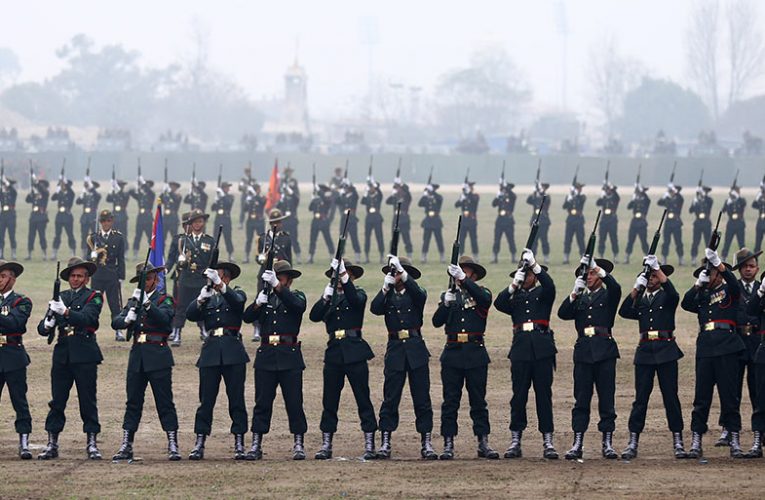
[749, 270]
[284, 280]
[7, 280]
[198, 225]
[530, 281]
[78, 278]
[469, 273]
[715, 278]
[224, 276]
[593, 280]
[106, 225]
[653, 283]
[151, 282]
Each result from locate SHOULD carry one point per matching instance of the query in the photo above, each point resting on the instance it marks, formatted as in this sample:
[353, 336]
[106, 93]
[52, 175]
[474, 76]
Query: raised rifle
[430, 176]
[467, 176]
[165, 174]
[537, 184]
[502, 181]
[534, 229]
[647, 271]
[637, 179]
[714, 240]
[398, 169]
[139, 180]
[193, 176]
[394, 240]
[576, 176]
[735, 182]
[335, 279]
[214, 255]
[590, 250]
[62, 174]
[608, 171]
[134, 329]
[455, 261]
[56, 296]
[345, 175]
[313, 180]
[672, 175]
[220, 175]
[370, 178]
[268, 265]
[701, 178]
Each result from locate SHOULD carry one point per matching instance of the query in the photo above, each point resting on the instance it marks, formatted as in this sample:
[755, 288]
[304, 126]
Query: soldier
[639, 204]
[734, 207]
[759, 205]
[341, 308]
[402, 194]
[574, 206]
[245, 183]
[191, 253]
[196, 197]
[254, 206]
[673, 201]
[279, 360]
[222, 206]
[8, 196]
[321, 207]
[64, 198]
[609, 223]
[15, 309]
[462, 311]
[534, 199]
[76, 355]
[468, 204]
[504, 225]
[119, 198]
[144, 222]
[714, 298]
[282, 241]
[756, 306]
[171, 204]
[432, 225]
[701, 207]
[593, 309]
[150, 361]
[348, 199]
[528, 300]
[336, 181]
[219, 307]
[107, 251]
[288, 204]
[89, 199]
[657, 352]
[402, 301]
[38, 217]
[372, 199]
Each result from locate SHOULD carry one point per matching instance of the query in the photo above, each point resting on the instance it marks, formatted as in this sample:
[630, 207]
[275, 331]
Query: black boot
[24, 452]
[126, 448]
[724, 439]
[176, 338]
[484, 450]
[239, 447]
[696, 450]
[426, 450]
[575, 452]
[325, 452]
[448, 453]
[92, 446]
[172, 446]
[756, 450]
[385, 447]
[256, 450]
[51, 450]
[735, 445]
[369, 446]
[298, 451]
[565, 259]
[677, 444]
[608, 446]
[514, 450]
[549, 452]
[198, 452]
[631, 451]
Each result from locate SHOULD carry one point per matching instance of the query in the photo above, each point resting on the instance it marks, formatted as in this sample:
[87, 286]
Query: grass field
[654, 473]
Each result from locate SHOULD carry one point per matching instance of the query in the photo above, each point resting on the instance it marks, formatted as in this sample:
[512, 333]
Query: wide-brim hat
[232, 269]
[149, 183]
[196, 214]
[12, 266]
[435, 185]
[508, 186]
[276, 215]
[43, 182]
[352, 269]
[174, 184]
[149, 269]
[95, 184]
[105, 215]
[284, 267]
[225, 184]
[323, 187]
[545, 185]
[467, 262]
[74, 263]
[288, 169]
[744, 255]
[512, 275]
[604, 264]
[201, 184]
[706, 189]
[578, 185]
[667, 269]
[703, 266]
[121, 183]
[406, 263]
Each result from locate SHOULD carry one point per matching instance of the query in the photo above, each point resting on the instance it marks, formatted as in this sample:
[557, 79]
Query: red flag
[273, 196]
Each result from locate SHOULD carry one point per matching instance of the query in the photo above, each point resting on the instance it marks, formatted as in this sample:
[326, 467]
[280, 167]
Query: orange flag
[273, 196]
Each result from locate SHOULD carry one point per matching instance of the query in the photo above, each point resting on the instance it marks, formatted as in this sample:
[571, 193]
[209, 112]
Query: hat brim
[13, 266]
[232, 268]
[354, 270]
[196, 217]
[753, 256]
[698, 270]
[667, 269]
[604, 264]
[512, 275]
[174, 184]
[137, 277]
[410, 270]
[90, 267]
[478, 269]
[277, 219]
[291, 273]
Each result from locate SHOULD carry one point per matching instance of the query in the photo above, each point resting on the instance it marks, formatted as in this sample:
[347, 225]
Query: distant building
[287, 123]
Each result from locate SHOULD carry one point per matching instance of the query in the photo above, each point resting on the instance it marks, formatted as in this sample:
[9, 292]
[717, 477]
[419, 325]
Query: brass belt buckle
[608, 211]
[653, 335]
[316, 215]
[3, 340]
[273, 339]
[431, 213]
[573, 211]
[372, 210]
[762, 215]
[462, 338]
[589, 331]
[503, 212]
[709, 326]
[141, 338]
[528, 327]
[221, 211]
[402, 334]
[168, 212]
[61, 209]
[69, 331]
[87, 210]
[218, 332]
[466, 213]
[670, 215]
[118, 208]
[747, 329]
[702, 216]
[143, 210]
[340, 334]
[638, 215]
[734, 216]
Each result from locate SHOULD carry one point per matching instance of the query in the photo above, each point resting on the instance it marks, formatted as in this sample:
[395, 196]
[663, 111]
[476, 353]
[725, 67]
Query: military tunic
[736, 225]
[190, 275]
[110, 268]
[196, 199]
[8, 195]
[222, 208]
[747, 325]
[14, 314]
[432, 224]
[64, 221]
[574, 207]
[38, 217]
[373, 221]
[320, 208]
[609, 222]
[504, 225]
[120, 200]
[144, 222]
[404, 196]
[701, 208]
[468, 205]
[639, 204]
[88, 219]
[673, 224]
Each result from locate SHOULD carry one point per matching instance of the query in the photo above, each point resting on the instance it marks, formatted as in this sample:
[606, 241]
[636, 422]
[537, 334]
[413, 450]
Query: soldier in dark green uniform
[535, 199]
[402, 194]
[574, 207]
[609, 224]
[673, 201]
[734, 207]
[171, 204]
[347, 354]
[144, 222]
[504, 225]
[468, 205]
[373, 221]
[432, 225]
[462, 311]
[756, 306]
[321, 207]
[119, 198]
[348, 199]
[8, 195]
[15, 309]
[219, 307]
[222, 206]
[279, 361]
[76, 355]
[196, 198]
[89, 199]
[38, 217]
[150, 361]
[288, 205]
[64, 221]
[639, 204]
[108, 253]
[701, 207]
[253, 210]
[402, 301]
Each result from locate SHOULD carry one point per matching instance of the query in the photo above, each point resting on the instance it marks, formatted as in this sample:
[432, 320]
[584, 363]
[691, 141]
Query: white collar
[6, 294]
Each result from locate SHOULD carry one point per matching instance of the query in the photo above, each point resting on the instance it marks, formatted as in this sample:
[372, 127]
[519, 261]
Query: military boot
[678, 446]
[442, 257]
[494, 258]
[256, 450]
[575, 452]
[696, 450]
[385, 446]
[546, 258]
[13, 253]
[92, 446]
[756, 450]
[512, 258]
[549, 450]
[45, 255]
[369, 446]
[173, 454]
[51, 450]
[29, 256]
[298, 450]
[310, 259]
[735, 445]
[246, 259]
[366, 258]
[24, 452]
[631, 451]
[424, 258]
[724, 439]
[426, 449]
[239, 447]
[126, 448]
[626, 258]
[565, 259]
[54, 254]
[382, 258]
[514, 450]
[484, 450]
[176, 337]
[358, 257]
[608, 446]
[325, 452]
[681, 261]
[448, 453]
[299, 258]
[198, 452]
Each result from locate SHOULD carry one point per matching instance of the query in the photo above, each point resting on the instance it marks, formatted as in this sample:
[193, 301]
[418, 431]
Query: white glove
[329, 291]
[219, 192]
[212, 275]
[395, 263]
[270, 277]
[131, 316]
[136, 294]
[262, 298]
[50, 323]
[338, 266]
[734, 195]
[429, 188]
[712, 257]
[527, 256]
[57, 306]
[652, 262]
[251, 190]
[456, 272]
[449, 297]
[588, 261]
[94, 255]
[703, 278]
[397, 180]
[640, 282]
[518, 279]
[204, 294]
[388, 282]
[181, 259]
[761, 290]
[579, 286]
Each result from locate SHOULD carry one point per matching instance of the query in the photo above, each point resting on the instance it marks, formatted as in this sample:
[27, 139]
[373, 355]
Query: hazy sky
[254, 41]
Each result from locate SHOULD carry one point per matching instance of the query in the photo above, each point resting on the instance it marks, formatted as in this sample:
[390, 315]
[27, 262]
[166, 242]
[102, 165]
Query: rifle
[534, 229]
[637, 180]
[338, 256]
[56, 296]
[590, 250]
[165, 173]
[502, 176]
[455, 261]
[701, 178]
[114, 182]
[194, 176]
[714, 240]
[608, 169]
[394, 240]
[370, 180]
[672, 175]
[576, 176]
[735, 182]
[214, 255]
[430, 176]
[647, 271]
[140, 183]
[62, 174]
[135, 328]
[220, 175]
[537, 184]
[398, 169]
[313, 180]
[467, 176]
[345, 175]
[269, 264]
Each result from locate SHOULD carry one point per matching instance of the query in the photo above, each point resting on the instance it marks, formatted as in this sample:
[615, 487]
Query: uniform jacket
[534, 200]
[89, 201]
[610, 204]
[8, 199]
[321, 206]
[156, 319]
[171, 203]
[38, 198]
[64, 200]
[221, 311]
[744, 318]
[432, 206]
[254, 206]
[757, 306]
[145, 198]
[505, 204]
[223, 205]
[119, 201]
[196, 199]
[468, 204]
[192, 271]
[639, 206]
[701, 207]
[84, 308]
[373, 201]
[114, 243]
[674, 206]
[574, 205]
[282, 245]
[735, 209]
[14, 314]
[404, 196]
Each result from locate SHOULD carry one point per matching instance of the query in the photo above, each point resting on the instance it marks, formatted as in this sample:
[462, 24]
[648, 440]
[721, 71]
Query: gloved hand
[212, 275]
[761, 290]
[57, 306]
[181, 259]
[579, 285]
[131, 316]
[456, 272]
[94, 255]
[136, 294]
[329, 291]
[712, 257]
[703, 278]
[338, 266]
[652, 262]
[588, 261]
[734, 195]
[388, 283]
[50, 322]
[261, 299]
[527, 256]
[395, 263]
[518, 279]
[204, 294]
[429, 188]
[449, 297]
[270, 277]
[219, 193]
[640, 282]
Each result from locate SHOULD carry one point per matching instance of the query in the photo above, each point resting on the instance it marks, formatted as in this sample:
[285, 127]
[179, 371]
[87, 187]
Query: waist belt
[10, 339]
[168, 211]
[467, 213]
[718, 325]
[118, 208]
[504, 213]
[62, 209]
[539, 325]
[279, 339]
[221, 211]
[608, 211]
[734, 216]
[652, 335]
[593, 331]
[671, 215]
[573, 211]
[746, 329]
[37, 209]
[462, 338]
[70, 331]
[372, 210]
[702, 216]
[352, 333]
[404, 334]
[432, 213]
[8, 208]
[142, 210]
[151, 338]
[638, 215]
[223, 332]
